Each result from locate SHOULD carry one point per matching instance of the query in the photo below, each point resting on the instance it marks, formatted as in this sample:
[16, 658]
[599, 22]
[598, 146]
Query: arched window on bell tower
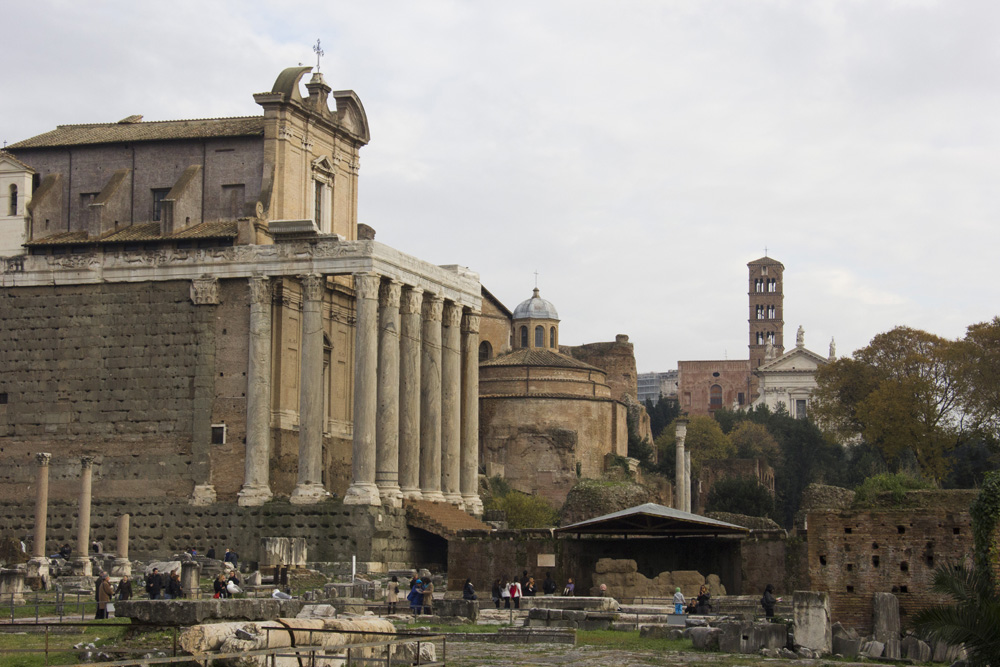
[13, 200]
[524, 336]
[539, 336]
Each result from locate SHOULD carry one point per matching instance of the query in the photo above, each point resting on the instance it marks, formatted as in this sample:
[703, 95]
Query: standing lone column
[256, 489]
[81, 563]
[680, 485]
[309, 489]
[451, 404]
[430, 400]
[470, 413]
[122, 565]
[409, 392]
[687, 481]
[38, 566]
[363, 490]
[387, 417]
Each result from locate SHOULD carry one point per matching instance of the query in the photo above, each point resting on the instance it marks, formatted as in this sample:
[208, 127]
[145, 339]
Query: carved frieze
[366, 285]
[452, 314]
[412, 301]
[312, 286]
[260, 290]
[205, 291]
[470, 321]
[389, 294]
[433, 305]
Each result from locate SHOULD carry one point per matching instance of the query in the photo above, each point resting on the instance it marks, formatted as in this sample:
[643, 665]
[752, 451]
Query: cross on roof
[536, 278]
[318, 50]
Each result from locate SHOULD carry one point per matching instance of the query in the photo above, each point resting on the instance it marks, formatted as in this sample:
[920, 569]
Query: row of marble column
[416, 411]
[38, 565]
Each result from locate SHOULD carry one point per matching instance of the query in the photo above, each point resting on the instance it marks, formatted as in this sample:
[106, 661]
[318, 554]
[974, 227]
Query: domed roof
[535, 308]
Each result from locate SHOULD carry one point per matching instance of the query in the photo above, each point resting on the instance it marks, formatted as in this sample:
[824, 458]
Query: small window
[485, 351]
[740, 398]
[318, 199]
[159, 194]
[218, 434]
[771, 312]
[875, 561]
[904, 567]
[850, 589]
[552, 337]
[3, 398]
[539, 336]
[760, 337]
[13, 199]
[800, 408]
[524, 336]
[715, 397]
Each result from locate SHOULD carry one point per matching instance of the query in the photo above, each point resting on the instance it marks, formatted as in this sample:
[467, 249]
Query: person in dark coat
[210, 553]
[124, 591]
[768, 601]
[469, 591]
[154, 584]
[174, 590]
[549, 585]
[702, 605]
[497, 593]
[219, 586]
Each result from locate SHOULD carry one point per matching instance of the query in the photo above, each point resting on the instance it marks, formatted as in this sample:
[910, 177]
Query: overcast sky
[636, 154]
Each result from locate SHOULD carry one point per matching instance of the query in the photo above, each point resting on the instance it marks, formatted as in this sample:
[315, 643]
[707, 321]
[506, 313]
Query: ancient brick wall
[696, 378]
[333, 531]
[854, 554]
[617, 359]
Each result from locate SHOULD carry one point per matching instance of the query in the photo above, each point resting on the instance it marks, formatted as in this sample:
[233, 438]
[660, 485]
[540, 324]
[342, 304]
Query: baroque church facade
[192, 304]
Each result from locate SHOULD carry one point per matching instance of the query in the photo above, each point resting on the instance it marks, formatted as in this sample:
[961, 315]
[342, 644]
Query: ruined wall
[854, 554]
[617, 359]
[769, 557]
[696, 378]
[333, 531]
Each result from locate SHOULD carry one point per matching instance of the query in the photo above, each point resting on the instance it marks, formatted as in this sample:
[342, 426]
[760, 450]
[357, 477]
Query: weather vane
[318, 50]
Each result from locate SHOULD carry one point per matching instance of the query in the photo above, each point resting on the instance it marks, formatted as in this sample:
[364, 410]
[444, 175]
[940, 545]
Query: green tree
[978, 356]
[705, 440]
[662, 414]
[740, 495]
[901, 393]
[754, 441]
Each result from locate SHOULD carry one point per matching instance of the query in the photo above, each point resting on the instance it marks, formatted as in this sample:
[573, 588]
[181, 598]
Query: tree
[705, 440]
[740, 495]
[978, 356]
[901, 393]
[663, 413]
[754, 441]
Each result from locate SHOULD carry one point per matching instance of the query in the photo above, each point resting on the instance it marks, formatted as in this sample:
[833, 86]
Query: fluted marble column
[411, 308]
[451, 403]
[470, 414]
[309, 489]
[680, 486]
[430, 400]
[81, 562]
[38, 566]
[387, 417]
[256, 488]
[363, 490]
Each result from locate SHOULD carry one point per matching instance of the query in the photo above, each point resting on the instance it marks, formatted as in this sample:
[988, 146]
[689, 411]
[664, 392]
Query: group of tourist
[226, 587]
[160, 587]
[421, 596]
[511, 591]
[697, 605]
[106, 593]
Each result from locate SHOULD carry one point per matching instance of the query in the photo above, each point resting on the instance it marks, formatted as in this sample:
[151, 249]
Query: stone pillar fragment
[256, 488]
[411, 306]
[38, 566]
[309, 489]
[190, 574]
[122, 565]
[451, 403]
[687, 482]
[430, 400]
[387, 416]
[81, 562]
[680, 465]
[470, 413]
[811, 612]
[363, 490]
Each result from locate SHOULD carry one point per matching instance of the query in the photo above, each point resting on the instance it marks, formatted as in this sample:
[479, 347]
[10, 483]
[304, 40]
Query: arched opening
[715, 397]
[524, 336]
[539, 336]
[552, 337]
[485, 351]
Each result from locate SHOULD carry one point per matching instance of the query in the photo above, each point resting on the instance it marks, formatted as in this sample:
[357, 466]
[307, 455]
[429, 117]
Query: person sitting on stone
[549, 585]
[219, 586]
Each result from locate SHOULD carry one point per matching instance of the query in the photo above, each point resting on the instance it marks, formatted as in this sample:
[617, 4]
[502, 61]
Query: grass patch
[629, 641]
[60, 645]
[443, 628]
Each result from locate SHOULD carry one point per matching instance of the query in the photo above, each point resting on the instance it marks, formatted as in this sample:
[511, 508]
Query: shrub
[897, 484]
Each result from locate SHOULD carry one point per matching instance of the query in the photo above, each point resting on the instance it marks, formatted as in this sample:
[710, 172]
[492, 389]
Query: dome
[535, 308]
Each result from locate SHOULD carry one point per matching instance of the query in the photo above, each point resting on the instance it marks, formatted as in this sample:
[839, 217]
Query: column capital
[470, 321]
[312, 286]
[260, 289]
[43, 458]
[433, 307]
[452, 314]
[86, 461]
[389, 292]
[412, 301]
[366, 285]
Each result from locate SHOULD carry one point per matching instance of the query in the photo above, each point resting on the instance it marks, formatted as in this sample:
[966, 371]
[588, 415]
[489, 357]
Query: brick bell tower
[766, 293]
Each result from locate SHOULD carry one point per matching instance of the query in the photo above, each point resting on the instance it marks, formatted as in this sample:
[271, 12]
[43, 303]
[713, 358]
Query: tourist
[416, 596]
[174, 590]
[65, 551]
[392, 594]
[515, 593]
[469, 591]
[570, 587]
[124, 591]
[210, 553]
[549, 585]
[703, 606]
[154, 584]
[105, 593]
[219, 586]
[232, 558]
[523, 580]
[429, 597]
[496, 593]
[529, 590]
[768, 601]
[678, 601]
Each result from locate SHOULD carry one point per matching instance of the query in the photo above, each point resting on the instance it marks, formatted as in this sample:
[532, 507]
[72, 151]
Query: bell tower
[766, 309]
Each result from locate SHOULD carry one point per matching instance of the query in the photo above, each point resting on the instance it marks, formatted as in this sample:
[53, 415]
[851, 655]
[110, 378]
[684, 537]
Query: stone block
[915, 649]
[891, 650]
[595, 624]
[536, 614]
[194, 612]
[873, 649]
[811, 613]
[536, 623]
[845, 632]
[845, 646]
[705, 638]
[655, 631]
[885, 617]
[750, 637]
[574, 615]
[624, 626]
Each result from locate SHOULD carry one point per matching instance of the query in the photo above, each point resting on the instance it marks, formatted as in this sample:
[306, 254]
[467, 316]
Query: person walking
[154, 584]
[515, 593]
[495, 593]
[392, 595]
[416, 596]
[124, 591]
[105, 593]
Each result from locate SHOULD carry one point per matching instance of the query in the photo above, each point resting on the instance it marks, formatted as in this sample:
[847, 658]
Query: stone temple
[193, 305]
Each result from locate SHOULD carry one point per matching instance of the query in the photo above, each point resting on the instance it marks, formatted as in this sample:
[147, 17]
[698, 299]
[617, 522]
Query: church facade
[190, 303]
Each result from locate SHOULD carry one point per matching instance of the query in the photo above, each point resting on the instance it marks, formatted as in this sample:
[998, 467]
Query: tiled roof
[7, 156]
[129, 132]
[537, 357]
[144, 232]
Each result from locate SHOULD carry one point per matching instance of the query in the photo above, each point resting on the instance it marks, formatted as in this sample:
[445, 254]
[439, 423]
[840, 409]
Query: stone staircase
[443, 519]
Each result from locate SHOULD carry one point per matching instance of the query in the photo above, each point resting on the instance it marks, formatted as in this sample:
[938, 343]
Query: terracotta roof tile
[143, 232]
[537, 357]
[113, 133]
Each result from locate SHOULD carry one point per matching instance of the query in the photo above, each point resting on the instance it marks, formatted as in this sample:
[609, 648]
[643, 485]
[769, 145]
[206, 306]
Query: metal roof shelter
[654, 521]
